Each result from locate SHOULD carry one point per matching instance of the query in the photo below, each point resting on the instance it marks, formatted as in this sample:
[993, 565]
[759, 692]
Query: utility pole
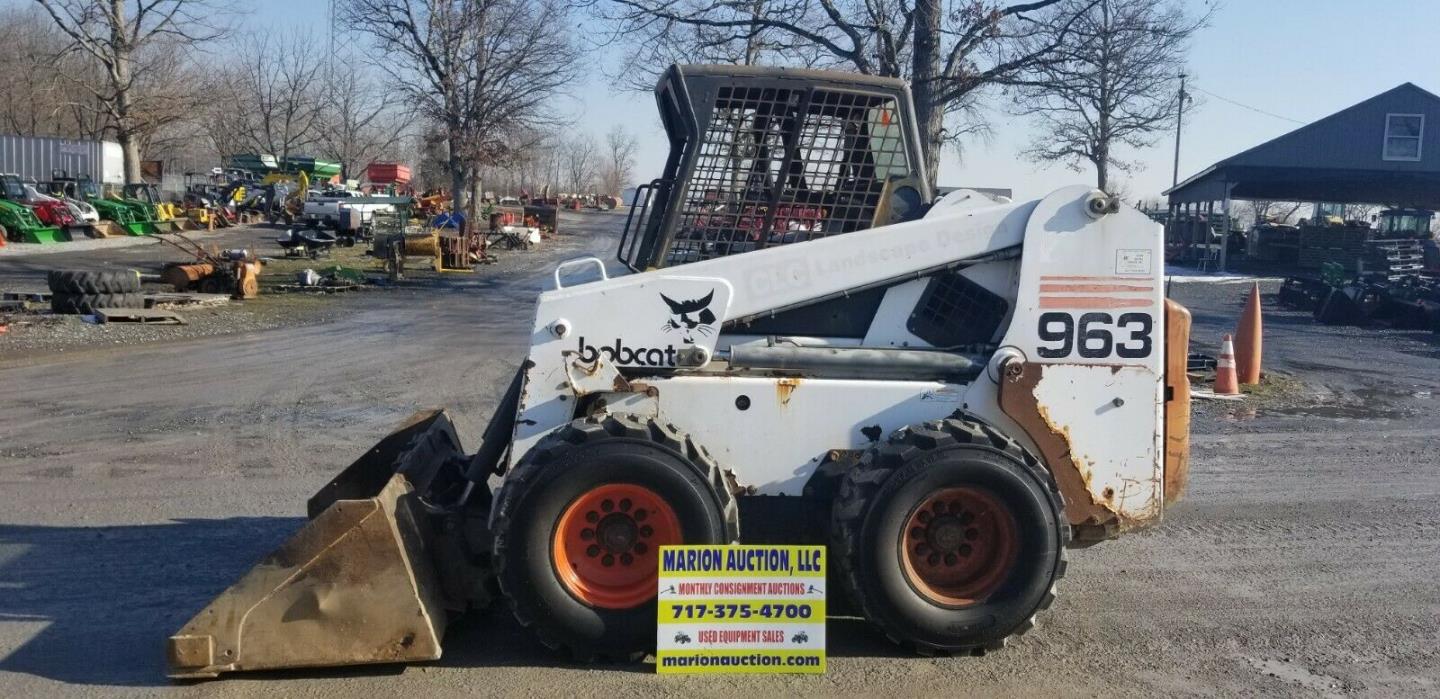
[1179, 116]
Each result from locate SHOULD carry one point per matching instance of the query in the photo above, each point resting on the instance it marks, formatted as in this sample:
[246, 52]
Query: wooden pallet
[25, 296]
[186, 299]
[149, 316]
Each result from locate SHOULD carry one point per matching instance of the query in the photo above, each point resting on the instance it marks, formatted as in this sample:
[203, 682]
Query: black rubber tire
[88, 282]
[215, 284]
[876, 498]
[587, 453]
[87, 303]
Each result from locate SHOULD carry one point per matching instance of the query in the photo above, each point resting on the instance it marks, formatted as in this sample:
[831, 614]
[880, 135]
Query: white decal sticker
[1132, 262]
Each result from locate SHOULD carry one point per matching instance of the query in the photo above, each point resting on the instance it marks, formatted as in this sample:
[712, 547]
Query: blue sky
[1301, 59]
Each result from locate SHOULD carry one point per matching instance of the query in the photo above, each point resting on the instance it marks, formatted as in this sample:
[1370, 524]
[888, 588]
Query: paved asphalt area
[136, 482]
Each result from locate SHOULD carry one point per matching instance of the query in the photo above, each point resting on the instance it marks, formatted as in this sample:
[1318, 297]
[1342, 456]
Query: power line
[1257, 110]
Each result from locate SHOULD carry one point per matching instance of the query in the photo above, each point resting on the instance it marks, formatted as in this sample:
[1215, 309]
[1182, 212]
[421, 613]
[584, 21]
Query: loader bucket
[356, 585]
[43, 235]
[108, 229]
[169, 225]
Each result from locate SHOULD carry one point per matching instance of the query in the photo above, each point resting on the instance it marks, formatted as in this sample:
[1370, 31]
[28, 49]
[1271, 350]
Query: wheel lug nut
[934, 559]
[607, 506]
[607, 561]
[917, 532]
[646, 531]
[587, 534]
[593, 551]
[641, 548]
[971, 534]
[965, 549]
[950, 559]
[625, 505]
[592, 517]
[626, 559]
[640, 515]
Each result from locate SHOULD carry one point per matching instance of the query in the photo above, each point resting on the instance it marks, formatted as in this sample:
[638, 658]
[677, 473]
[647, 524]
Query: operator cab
[1404, 223]
[13, 189]
[771, 156]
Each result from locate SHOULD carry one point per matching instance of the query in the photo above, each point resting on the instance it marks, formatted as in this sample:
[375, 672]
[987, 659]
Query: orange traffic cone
[1225, 382]
[1247, 340]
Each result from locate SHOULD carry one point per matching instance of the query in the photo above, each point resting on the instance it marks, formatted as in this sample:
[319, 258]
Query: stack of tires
[78, 291]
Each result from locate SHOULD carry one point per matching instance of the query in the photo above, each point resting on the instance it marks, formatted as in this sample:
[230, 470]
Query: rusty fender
[1094, 516]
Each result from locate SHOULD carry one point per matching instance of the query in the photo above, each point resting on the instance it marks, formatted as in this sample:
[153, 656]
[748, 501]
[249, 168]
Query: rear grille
[776, 166]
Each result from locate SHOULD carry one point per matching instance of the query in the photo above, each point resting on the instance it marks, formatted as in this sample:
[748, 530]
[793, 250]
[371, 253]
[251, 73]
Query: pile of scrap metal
[1394, 243]
[544, 216]
[447, 250]
[336, 278]
[514, 227]
[432, 203]
[233, 272]
[1406, 301]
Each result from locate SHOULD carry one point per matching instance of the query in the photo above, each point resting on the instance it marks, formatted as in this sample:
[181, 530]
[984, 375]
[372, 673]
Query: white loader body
[1085, 295]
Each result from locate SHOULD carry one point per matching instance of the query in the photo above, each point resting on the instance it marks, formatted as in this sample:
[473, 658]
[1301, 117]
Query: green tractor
[131, 217]
[164, 215]
[18, 222]
[142, 213]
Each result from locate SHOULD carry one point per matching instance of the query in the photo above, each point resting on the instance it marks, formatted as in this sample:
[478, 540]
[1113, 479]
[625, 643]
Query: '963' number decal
[1095, 335]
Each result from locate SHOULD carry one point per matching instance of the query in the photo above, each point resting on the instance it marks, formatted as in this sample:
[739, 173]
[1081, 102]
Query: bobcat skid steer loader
[810, 348]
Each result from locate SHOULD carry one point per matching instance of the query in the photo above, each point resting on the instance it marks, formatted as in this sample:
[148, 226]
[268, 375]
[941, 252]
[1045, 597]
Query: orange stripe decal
[1092, 302]
[1093, 288]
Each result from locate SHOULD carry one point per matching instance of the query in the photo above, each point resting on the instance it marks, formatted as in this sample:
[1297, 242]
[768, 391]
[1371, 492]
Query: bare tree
[359, 123]
[1359, 212]
[276, 91]
[1110, 82]
[580, 160]
[948, 56]
[121, 40]
[29, 99]
[619, 167]
[486, 71]
[46, 87]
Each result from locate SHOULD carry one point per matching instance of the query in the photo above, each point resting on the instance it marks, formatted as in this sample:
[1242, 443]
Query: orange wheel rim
[607, 544]
[958, 546]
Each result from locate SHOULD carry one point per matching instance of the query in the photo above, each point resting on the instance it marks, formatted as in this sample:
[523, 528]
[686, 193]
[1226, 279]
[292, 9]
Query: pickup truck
[333, 209]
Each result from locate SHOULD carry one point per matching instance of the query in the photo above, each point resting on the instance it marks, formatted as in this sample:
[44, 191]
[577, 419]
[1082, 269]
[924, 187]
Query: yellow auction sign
[741, 609]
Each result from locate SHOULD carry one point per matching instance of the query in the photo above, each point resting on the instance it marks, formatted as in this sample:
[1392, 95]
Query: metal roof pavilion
[1380, 151]
[1369, 153]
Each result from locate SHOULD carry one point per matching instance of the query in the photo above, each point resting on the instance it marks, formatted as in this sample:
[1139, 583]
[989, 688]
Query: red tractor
[50, 211]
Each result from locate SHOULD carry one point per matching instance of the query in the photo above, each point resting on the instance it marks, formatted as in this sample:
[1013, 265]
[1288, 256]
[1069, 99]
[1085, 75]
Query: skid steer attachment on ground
[355, 585]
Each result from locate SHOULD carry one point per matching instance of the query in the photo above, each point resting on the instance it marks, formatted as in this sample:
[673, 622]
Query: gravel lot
[138, 481]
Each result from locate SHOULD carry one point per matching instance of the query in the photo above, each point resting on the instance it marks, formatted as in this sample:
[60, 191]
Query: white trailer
[40, 158]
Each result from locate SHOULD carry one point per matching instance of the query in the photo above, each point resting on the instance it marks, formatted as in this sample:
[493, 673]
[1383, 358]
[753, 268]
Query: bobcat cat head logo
[690, 317]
